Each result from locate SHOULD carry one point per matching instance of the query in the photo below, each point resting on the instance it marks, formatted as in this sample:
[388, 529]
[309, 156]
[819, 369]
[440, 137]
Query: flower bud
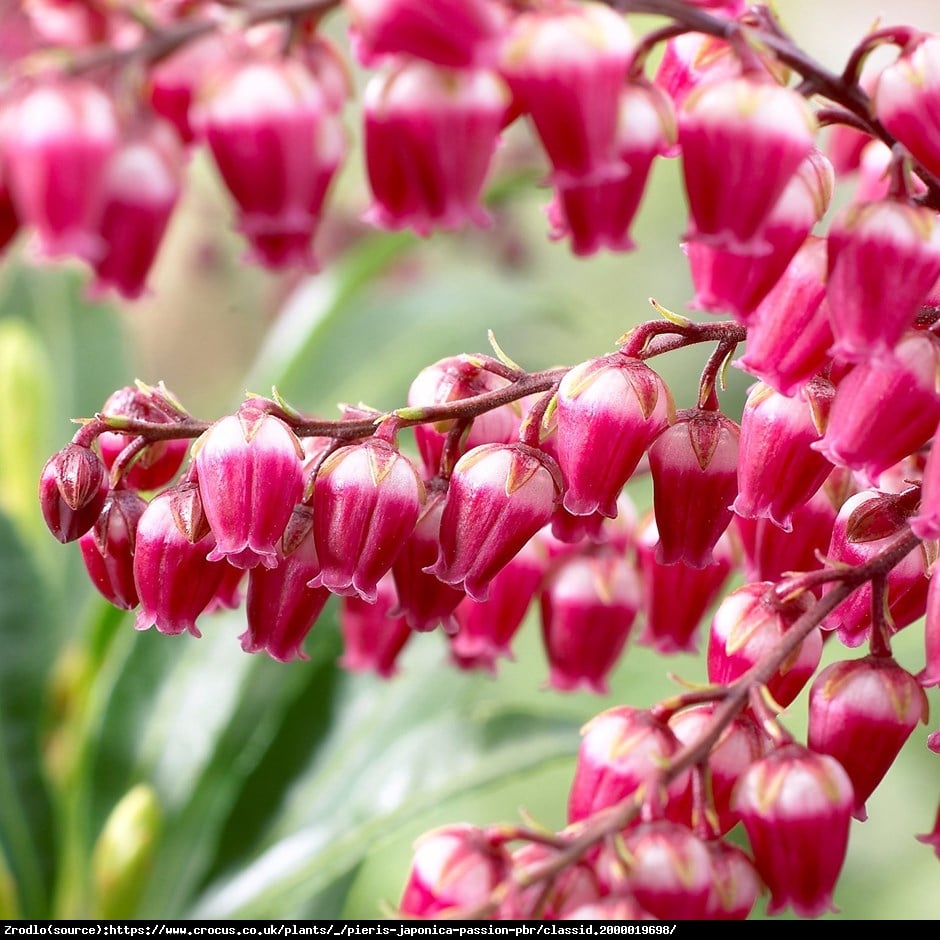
[367, 498]
[430, 134]
[454, 869]
[861, 713]
[499, 496]
[250, 477]
[796, 807]
[157, 463]
[609, 411]
[694, 465]
[589, 604]
[925, 523]
[748, 625]
[108, 548]
[73, 487]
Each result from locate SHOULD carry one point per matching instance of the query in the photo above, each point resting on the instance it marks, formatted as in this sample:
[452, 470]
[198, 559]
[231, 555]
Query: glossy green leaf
[26, 830]
[393, 749]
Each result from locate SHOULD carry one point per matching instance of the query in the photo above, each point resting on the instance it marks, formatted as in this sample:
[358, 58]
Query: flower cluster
[823, 495]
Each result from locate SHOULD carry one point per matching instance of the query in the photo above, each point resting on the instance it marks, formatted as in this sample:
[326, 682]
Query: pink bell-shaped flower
[574, 885]
[622, 749]
[485, 629]
[157, 463]
[175, 580]
[694, 464]
[430, 135]
[770, 551]
[736, 884]
[925, 523]
[670, 871]
[779, 471]
[906, 100]
[453, 33]
[373, 635]
[73, 487]
[108, 548]
[277, 144]
[499, 496]
[139, 192]
[861, 712]
[566, 66]
[589, 604]
[609, 410]
[57, 140]
[281, 610]
[930, 675]
[676, 597]
[454, 868]
[693, 59]
[746, 626]
[796, 807]
[932, 838]
[9, 220]
[172, 83]
[867, 523]
[598, 214]
[454, 379]
[742, 140]
[739, 745]
[883, 259]
[884, 411]
[789, 336]
[423, 600]
[250, 477]
[367, 498]
[738, 281]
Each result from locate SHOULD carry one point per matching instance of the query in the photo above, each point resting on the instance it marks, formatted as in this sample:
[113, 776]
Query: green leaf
[25, 820]
[393, 749]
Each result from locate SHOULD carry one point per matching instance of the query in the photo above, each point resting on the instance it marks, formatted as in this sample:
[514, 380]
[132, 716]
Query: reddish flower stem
[612, 819]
